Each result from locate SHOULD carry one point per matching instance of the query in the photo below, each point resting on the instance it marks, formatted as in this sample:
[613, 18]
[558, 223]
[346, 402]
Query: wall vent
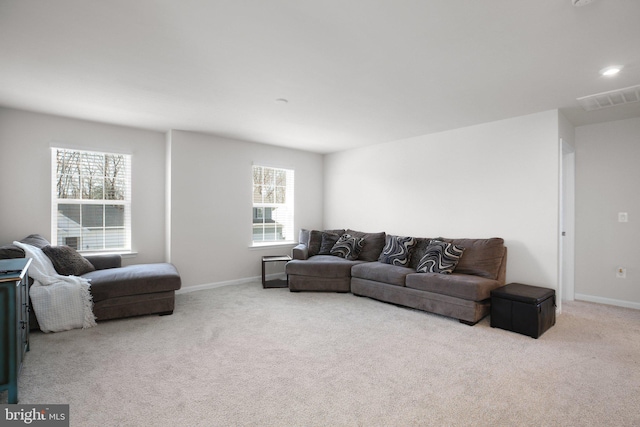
[579, 3]
[611, 98]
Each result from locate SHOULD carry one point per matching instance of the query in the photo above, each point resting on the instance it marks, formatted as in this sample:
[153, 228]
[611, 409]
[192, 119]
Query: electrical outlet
[621, 273]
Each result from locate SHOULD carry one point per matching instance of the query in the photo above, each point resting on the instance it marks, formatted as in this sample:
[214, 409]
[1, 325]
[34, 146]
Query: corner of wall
[167, 208]
[567, 132]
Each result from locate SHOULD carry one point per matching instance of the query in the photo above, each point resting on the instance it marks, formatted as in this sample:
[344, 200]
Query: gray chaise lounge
[118, 291]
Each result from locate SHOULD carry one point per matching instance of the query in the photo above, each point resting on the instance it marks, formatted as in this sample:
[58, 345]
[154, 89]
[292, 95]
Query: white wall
[496, 179]
[607, 179]
[191, 193]
[211, 208]
[25, 175]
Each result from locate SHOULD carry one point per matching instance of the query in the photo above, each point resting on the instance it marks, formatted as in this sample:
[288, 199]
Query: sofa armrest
[502, 273]
[301, 251]
[102, 262]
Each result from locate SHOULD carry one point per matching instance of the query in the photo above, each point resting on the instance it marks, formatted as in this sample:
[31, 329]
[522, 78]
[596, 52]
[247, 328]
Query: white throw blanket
[60, 302]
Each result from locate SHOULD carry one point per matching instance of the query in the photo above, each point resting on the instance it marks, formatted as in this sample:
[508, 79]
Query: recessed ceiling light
[611, 70]
[282, 101]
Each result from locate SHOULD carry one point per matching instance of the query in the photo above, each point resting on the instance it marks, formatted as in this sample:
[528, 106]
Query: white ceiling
[355, 72]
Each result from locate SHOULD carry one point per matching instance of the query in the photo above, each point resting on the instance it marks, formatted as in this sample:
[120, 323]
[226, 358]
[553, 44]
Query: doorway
[567, 223]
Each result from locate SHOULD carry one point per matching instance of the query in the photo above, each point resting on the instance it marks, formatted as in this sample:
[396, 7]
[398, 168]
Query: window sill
[123, 254]
[271, 245]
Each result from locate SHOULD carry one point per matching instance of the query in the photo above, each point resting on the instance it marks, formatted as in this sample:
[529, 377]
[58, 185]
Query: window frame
[82, 202]
[288, 205]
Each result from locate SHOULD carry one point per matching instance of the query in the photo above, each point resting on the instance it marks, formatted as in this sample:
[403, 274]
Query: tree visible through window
[272, 204]
[91, 200]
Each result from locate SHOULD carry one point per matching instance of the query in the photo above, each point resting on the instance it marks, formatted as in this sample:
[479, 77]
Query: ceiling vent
[611, 98]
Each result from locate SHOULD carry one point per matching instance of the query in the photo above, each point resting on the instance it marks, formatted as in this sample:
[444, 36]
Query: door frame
[566, 253]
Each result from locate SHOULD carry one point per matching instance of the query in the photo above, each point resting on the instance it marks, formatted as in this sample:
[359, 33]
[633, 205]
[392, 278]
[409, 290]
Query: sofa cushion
[35, 240]
[348, 247]
[482, 257]
[11, 251]
[312, 239]
[397, 250]
[418, 251]
[440, 257]
[465, 286]
[382, 272]
[67, 261]
[321, 266]
[329, 239]
[133, 280]
[373, 244]
[338, 231]
[315, 241]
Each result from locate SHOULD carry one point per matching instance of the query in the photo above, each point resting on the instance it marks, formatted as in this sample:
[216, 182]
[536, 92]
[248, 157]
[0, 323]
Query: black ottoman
[528, 310]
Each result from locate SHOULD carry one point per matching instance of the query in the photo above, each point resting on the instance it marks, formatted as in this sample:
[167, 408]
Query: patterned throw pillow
[440, 257]
[348, 247]
[397, 250]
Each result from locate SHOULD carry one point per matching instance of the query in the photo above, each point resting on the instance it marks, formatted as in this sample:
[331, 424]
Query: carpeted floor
[242, 355]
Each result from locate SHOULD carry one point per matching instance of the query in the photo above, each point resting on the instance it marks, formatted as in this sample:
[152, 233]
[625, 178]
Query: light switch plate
[623, 217]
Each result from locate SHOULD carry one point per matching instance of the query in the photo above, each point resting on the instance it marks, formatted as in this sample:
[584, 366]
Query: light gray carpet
[243, 355]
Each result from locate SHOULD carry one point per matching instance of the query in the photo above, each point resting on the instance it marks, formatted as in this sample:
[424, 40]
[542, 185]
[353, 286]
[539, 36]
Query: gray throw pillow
[374, 242]
[328, 240]
[441, 257]
[315, 241]
[35, 240]
[67, 261]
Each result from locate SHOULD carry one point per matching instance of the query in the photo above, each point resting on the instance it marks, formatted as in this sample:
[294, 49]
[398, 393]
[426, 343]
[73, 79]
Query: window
[272, 204]
[91, 200]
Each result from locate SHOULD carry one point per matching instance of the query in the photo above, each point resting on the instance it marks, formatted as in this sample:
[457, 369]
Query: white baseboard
[580, 297]
[608, 301]
[227, 283]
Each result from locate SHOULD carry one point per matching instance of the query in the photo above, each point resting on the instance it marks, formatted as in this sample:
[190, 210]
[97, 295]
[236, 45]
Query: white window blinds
[91, 200]
[272, 204]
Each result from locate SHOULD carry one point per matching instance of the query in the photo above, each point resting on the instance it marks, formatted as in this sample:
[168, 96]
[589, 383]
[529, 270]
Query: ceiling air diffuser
[611, 98]
[579, 3]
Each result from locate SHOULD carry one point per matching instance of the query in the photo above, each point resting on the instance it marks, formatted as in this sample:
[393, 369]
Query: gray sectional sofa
[462, 292]
[117, 291]
[313, 268]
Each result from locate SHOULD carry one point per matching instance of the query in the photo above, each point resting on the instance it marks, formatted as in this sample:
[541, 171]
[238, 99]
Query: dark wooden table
[274, 283]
